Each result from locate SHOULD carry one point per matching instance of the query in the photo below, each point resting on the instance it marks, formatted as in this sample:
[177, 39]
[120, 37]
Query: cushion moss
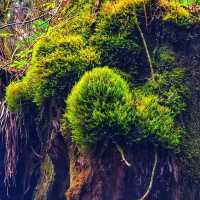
[99, 107]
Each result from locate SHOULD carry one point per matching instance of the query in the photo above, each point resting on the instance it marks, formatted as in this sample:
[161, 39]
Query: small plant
[99, 107]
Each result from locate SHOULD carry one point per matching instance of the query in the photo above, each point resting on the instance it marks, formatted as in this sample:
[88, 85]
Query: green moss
[116, 36]
[159, 102]
[99, 107]
[55, 66]
[175, 12]
[16, 95]
[165, 59]
[100, 104]
[59, 58]
[171, 89]
[156, 122]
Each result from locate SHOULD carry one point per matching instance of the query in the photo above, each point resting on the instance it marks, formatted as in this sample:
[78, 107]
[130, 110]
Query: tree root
[145, 46]
[122, 155]
[146, 194]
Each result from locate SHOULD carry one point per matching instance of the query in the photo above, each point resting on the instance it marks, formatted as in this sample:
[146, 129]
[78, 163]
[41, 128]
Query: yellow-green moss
[82, 41]
[158, 103]
[120, 6]
[56, 64]
[165, 59]
[16, 95]
[174, 11]
[156, 121]
[110, 38]
[99, 107]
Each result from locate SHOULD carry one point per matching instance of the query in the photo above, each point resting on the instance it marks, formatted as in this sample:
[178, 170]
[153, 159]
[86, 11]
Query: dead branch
[24, 22]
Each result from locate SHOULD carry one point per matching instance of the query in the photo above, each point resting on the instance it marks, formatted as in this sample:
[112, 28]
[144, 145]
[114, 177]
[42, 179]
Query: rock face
[50, 166]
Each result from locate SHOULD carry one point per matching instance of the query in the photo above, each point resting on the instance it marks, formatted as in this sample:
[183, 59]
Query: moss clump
[159, 102]
[59, 58]
[55, 66]
[16, 95]
[110, 38]
[99, 107]
[117, 38]
[175, 12]
[156, 122]
[171, 89]
[165, 59]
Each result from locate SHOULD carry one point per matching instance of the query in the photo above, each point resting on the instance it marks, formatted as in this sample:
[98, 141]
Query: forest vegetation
[100, 99]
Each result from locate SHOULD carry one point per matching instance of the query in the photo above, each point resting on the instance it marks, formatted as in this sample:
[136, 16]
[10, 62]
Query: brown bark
[107, 177]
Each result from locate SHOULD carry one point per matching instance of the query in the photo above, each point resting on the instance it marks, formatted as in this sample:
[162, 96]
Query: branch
[152, 177]
[24, 22]
[56, 11]
[122, 155]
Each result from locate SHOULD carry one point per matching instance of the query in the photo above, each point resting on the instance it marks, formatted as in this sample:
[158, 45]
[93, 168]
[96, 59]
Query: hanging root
[12, 131]
[122, 155]
[146, 194]
[145, 47]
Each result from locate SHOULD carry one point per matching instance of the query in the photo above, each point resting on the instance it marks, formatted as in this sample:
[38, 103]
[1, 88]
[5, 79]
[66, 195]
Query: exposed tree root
[122, 155]
[145, 46]
[146, 194]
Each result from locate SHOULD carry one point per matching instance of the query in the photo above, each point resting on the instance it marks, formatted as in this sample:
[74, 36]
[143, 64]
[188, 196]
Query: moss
[55, 66]
[59, 58]
[99, 107]
[16, 95]
[165, 59]
[156, 122]
[66, 61]
[82, 42]
[119, 6]
[159, 102]
[171, 89]
[86, 40]
[175, 12]
[117, 38]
